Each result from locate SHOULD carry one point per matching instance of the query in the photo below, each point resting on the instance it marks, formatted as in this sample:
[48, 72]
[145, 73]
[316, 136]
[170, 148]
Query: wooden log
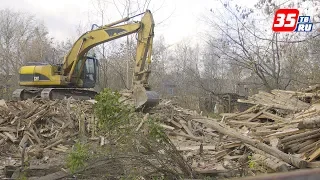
[295, 147]
[310, 123]
[270, 163]
[300, 136]
[275, 159]
[301, 139]
[297, 162]
[308, 147]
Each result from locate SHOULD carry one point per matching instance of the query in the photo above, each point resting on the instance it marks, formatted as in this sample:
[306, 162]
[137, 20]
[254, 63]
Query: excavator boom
[78, 71]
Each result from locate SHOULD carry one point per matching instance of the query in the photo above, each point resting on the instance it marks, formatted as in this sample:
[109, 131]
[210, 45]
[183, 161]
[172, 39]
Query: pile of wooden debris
[278, 133]
[30, 128]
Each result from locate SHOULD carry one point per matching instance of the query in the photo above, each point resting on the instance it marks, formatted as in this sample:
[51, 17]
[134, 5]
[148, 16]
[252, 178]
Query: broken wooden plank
[286, 132]
[242, 113]
[7, 129]
[274, 117]
[259, 113]
[314, 155]
[195, 148]
[11, 137]
[54, 144]
[175, 123]
[144, 119]
[185, 127]
[297, 162]
[166, 127]
[24, 140]
[222, 153]
[245, 123]
[35, 136]
[231, 145]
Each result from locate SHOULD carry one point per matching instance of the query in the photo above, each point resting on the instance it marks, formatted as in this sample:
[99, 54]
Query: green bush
[77, 157]
[110, 112]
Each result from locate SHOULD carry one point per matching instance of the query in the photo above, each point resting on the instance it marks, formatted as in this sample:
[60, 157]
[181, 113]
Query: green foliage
[156, 131]
[77, 157]
[23, 176]
[111, 113]
[251, 163]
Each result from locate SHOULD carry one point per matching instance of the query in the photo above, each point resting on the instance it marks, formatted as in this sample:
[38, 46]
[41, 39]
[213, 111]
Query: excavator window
[90, 72]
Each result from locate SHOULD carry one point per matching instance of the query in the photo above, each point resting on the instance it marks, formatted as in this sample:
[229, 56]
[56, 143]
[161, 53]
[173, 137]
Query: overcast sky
[181, 18]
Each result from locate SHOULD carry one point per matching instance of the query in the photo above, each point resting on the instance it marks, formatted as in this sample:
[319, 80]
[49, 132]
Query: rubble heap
[34, 127]
[280, 132]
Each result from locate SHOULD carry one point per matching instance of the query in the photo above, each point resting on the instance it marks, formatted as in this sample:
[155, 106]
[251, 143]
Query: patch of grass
[77, 157]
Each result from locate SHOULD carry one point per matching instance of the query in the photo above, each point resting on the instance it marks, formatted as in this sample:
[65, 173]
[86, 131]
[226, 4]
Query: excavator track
[143, 99]
[53, 93]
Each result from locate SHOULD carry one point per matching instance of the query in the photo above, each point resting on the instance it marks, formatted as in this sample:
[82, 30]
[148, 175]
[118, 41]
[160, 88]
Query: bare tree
[22, 39]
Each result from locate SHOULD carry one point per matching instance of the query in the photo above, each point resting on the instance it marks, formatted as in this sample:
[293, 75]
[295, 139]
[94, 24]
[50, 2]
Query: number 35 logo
[285, 20]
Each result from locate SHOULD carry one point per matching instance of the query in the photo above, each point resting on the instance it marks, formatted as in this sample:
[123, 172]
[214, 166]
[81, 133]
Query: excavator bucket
[144, 98]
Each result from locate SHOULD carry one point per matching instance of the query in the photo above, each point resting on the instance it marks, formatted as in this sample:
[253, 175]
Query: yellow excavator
[79, 73]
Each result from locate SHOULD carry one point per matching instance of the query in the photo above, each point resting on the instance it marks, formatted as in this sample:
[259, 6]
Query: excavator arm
[145, 30]
[59, 81]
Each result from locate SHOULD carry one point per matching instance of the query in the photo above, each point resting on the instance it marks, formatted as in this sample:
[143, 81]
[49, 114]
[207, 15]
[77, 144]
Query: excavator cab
[89, 73]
